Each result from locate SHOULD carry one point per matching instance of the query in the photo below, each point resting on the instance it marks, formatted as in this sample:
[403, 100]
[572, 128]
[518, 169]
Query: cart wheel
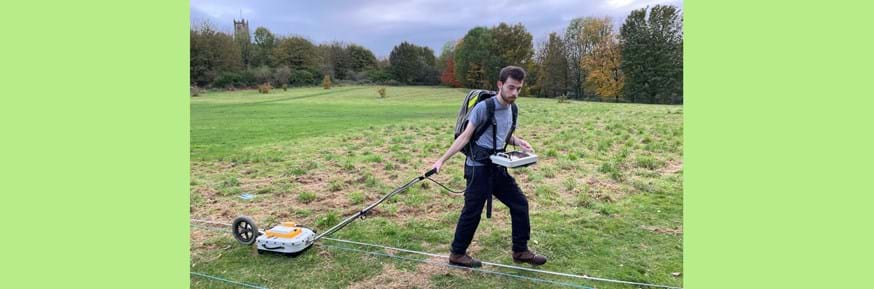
[244, 230]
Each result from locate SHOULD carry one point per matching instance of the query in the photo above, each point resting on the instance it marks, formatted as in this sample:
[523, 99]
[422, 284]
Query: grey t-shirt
[504, 118]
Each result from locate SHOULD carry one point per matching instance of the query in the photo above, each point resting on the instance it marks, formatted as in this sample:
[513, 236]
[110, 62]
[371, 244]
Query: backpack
[473, 97]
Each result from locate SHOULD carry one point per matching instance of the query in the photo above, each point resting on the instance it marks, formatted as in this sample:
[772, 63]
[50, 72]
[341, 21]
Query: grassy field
[605, 197]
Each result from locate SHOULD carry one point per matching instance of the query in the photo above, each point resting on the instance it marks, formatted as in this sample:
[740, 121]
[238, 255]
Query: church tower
[241, 36]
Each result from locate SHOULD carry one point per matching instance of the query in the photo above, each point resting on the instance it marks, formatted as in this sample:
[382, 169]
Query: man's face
[510, 89]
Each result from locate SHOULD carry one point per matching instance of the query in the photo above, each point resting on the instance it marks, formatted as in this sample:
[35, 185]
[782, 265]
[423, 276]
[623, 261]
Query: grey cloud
[380, 25]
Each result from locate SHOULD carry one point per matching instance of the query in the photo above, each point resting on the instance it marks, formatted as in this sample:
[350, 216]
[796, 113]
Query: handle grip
[431, 172]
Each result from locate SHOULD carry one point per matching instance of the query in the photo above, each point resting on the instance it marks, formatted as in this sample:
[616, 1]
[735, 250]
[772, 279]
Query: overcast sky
[380, 25]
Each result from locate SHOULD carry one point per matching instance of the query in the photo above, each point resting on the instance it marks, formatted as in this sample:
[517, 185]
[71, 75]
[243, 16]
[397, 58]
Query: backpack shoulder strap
[490, 105]
[515, 110]
[490, 119]
[515, 115]
[490, 109]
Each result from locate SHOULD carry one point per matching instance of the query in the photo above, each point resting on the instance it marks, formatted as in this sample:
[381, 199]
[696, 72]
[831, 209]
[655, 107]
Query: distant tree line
[642, 62]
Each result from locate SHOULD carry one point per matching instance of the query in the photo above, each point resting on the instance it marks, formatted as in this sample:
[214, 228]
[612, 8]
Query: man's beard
[504, 98]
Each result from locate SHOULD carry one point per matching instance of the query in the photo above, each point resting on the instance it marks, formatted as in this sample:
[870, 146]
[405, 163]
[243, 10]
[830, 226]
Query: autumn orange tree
[603, 65]
[581, 37]
[448, 76]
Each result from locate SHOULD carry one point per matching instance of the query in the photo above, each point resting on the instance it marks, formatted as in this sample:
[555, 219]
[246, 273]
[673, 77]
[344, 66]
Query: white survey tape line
[586, 277]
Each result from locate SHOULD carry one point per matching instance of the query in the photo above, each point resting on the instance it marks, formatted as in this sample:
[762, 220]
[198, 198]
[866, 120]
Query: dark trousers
[483, 181]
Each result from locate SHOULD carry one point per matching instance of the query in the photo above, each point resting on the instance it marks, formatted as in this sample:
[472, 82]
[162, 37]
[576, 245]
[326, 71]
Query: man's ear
[500, 84]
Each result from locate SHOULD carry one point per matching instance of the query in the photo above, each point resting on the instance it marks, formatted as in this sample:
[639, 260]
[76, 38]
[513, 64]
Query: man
[484, 178]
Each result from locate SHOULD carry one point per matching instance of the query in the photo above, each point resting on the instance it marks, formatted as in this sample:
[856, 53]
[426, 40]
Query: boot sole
[526, 262]
[466, 265]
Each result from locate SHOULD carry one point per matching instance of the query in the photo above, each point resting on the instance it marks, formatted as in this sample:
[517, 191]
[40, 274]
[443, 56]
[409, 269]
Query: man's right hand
[437, 165]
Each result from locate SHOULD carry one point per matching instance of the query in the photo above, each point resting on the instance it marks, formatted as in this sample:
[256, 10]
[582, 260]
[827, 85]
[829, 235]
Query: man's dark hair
[515, 72]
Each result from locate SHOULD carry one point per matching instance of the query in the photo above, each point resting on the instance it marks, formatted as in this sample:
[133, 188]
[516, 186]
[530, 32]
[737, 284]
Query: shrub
[381, 92]
[378, 75]
[247, 79]
[301, 77]
[264, 88]
[281, 75]
[262, 74]
[195, 91]
[359, 77]
[326, 82]
[226, 79]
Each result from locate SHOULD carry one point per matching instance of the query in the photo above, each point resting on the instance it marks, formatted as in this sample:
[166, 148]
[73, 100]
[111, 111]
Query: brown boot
[529, 257]
[464, 260]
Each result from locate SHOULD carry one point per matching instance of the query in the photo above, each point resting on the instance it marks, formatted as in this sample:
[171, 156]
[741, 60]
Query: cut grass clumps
[535, 177]
[584, 200]
[648, 162]
[336, 185]
[306, 197]
[230, 191]
[390, 209]
[297, 171]
[566, 165]
[544, 191]
[313, 165]
[413, 197]
[604, 145]
[547, 194]
[303, 212]
[605, 209]
[574, 156]
[611, 169]
[230, 186]
[195, 198]
[622, 154]
[549, 172]
[356, 197]
[373, 158]
[328, 220]
[370, 181]
[230, 181]
[264, 190]
[404, 158]
[644, 186]
[551, 153]
[569, 184]
[247, 158]
[328, 156]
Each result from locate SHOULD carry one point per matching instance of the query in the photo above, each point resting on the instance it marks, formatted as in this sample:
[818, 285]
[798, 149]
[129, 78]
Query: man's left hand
[525, 145]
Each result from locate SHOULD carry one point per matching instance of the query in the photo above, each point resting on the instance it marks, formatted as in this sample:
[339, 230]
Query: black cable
[448, 189]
